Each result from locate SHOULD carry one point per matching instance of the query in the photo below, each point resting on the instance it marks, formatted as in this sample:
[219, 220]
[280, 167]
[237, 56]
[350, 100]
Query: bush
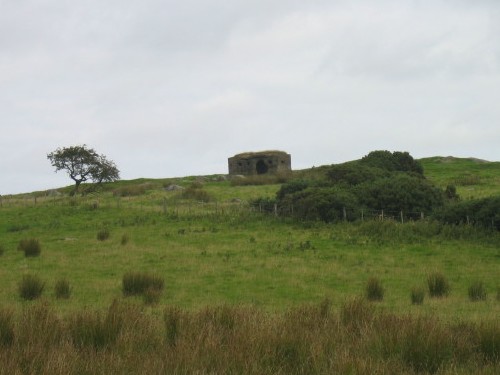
[62, 289]
[438, 285]
[103, 234]
[31, 247]
[477, 291]
[374, 290]
[417, 295]
[137, 283]
[31, 287]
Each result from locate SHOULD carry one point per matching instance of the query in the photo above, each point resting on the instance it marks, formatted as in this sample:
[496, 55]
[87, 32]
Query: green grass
[221, 252]
[473, 178]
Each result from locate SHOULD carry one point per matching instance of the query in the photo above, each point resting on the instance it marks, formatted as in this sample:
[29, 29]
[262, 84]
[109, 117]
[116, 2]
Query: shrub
[374, 290]
[417, 295]
[31, 247]
[137, 283]
[62, 289]
[438, 285]
[477, 291]
[31, 287]
[103, 234]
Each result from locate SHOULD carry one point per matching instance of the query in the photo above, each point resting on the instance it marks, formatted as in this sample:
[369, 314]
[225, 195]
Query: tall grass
[308, 339]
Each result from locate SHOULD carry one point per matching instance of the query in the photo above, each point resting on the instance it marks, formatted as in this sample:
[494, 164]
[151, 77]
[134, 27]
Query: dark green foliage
[137, 283]
[351, 174]
[400, 192]
[291, 188]
[438, 285]
[30, 287]
[62, 289]
[374, 290]
[83, 164]
[30, 246]
[450, 193]
[103, 234]
[477, 292]
[330, 204]
[396, 161]
[264, 204]
[392, 182]
[483, 212]
[417, 295]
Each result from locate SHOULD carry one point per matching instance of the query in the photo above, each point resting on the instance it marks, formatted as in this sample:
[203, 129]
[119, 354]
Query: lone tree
[84, 164]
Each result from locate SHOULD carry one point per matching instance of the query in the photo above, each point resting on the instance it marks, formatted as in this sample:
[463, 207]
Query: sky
[173, 88]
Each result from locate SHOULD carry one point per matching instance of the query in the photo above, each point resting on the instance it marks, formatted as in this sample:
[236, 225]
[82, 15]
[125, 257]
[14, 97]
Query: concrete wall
[264, 162]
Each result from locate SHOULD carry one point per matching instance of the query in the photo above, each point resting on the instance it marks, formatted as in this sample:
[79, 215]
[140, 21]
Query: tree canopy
[84, 164]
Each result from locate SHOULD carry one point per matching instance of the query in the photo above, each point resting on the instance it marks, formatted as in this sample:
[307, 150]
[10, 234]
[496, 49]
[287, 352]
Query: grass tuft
[103, 234]
[30, 246]
[138, 283]
[30, 287]
[374, 290]
[417, 295]
[62, 289]
[438, 285]
[477, 292]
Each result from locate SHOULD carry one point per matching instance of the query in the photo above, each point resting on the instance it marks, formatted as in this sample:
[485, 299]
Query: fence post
[382, 215]
[422, 215]
[275, 209]
[362, 215]
[344, 213]
[402, 220]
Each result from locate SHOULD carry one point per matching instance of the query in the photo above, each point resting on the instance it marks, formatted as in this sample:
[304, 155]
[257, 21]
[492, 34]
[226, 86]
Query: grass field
[224, 253]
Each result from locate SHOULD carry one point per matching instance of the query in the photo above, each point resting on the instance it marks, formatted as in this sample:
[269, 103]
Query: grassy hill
[225, 264]
[223, 251]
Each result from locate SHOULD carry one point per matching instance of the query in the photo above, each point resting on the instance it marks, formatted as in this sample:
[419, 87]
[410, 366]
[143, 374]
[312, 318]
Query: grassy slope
[220, 253]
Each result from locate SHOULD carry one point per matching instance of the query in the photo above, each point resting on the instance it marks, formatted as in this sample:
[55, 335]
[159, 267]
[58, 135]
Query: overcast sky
[173, 88]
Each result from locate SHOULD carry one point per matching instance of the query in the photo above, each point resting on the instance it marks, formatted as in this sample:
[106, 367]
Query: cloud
[169, 88]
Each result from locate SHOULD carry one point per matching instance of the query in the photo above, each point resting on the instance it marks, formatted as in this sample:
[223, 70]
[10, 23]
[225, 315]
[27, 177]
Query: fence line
[180, 208]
